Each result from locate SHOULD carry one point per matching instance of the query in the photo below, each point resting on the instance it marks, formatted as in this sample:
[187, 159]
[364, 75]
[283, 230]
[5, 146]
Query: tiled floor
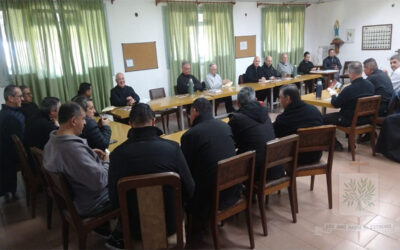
[317, 226]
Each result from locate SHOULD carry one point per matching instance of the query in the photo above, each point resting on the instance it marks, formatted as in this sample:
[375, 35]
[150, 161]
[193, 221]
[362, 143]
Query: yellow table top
[119, 132]
[325, 100]
[180, 100]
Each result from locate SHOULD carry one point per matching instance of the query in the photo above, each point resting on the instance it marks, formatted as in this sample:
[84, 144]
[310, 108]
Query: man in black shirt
[254, 73]
[269, 73]
[85, 89]
[123, 95]
[146, 153]
[97, 134]
[182, 82]
[38, 132]
[332, 62]
[204, 144]
[297, 114]
[347, 99]
[304, 68]
[28, 107]
[382, 83]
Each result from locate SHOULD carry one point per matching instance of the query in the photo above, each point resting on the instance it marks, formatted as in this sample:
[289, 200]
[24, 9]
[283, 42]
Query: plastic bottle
[190, 86]
[318, 90]
[294, 71]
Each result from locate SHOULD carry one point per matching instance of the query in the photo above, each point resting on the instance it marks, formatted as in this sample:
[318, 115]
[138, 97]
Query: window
[6, 46]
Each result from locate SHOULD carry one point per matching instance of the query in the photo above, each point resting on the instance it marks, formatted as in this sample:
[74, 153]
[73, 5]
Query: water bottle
[294, 71]
[318, 91]
[190, 86]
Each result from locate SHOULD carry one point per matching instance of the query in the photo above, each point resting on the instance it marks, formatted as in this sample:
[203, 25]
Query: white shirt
[213, 81]
[396, 79]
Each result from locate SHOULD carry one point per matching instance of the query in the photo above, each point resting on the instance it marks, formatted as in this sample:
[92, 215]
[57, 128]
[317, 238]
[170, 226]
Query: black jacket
[253, 74]
[31, 111]
[97, 137]
[389, 138]
[252, 129]
[118, 95]
[305, 67]
[38, 132]
[182, 84]
[383, 87]
[146, 153]
[330, 62]
[267, 72]
[295, 116]
[12, 121]
[347, 99]
[207, 142]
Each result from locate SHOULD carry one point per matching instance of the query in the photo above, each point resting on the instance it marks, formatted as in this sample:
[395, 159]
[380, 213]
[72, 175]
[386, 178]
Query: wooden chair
[282, 151]
[160, 93]
[241, 79]
[37, 156]
[321, 138]
[231, 172]
[393, 105]
[149, 190]
[31, 180]
[345, 74]
[366, 106]
[69, 216]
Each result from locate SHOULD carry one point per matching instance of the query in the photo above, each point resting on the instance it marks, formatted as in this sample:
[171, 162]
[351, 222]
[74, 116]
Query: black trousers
[335, 119]
[228, 104]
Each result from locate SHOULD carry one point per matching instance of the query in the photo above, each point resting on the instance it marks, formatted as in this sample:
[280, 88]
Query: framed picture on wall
[377, 37]
[349, 36]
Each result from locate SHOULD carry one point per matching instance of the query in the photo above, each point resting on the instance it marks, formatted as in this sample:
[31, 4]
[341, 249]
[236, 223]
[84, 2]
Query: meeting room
[199, 124]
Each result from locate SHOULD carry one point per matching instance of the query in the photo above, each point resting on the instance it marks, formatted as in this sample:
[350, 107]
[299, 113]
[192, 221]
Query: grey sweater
[85, 172]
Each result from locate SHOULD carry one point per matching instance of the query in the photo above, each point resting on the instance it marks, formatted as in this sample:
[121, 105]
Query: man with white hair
[254, 72]
[214, 81]
[284, 67]
[123, 95]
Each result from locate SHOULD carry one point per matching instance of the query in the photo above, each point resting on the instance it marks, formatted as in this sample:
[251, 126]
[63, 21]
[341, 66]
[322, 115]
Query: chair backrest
[346, 67]
[241, 79]
[394, 103]
[149, 190]
[157, 93]
[62, 195]
[281, 151]
[233, 171]
[318, 138]
[37, 156]
[367, 106]
[22, 157]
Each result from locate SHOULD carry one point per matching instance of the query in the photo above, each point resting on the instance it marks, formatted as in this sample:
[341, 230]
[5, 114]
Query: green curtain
[219, 39]
[182, 29]
[283, 32]
[56, 45]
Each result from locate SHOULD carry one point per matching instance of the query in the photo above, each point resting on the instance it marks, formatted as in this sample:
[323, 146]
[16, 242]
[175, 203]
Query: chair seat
[277, 181]
[317, 165]
[359, 129]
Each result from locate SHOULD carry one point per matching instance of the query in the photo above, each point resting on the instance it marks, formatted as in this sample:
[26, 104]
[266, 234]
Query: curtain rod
[284, 4]
[195, 2]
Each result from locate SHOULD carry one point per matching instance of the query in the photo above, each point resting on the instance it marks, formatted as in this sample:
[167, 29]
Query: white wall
[124, 27]
[352, 14]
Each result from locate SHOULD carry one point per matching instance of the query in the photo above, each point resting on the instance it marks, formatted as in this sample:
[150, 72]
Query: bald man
[254, 72]
[284, 66]
[269, 72]
[122, 95]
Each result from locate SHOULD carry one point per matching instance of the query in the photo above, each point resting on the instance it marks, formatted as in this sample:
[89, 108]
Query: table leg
[213, 107]
[272, 99]
[323, 110]
[182, 120]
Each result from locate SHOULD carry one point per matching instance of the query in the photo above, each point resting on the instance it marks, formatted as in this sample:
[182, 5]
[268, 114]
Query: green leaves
[359, 193]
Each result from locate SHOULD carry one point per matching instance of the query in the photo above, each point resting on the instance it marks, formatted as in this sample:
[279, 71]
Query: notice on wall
[129, 63]
[243, 45]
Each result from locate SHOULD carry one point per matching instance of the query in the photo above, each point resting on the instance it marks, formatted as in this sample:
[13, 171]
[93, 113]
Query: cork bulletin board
[139, 56]
[245, 46]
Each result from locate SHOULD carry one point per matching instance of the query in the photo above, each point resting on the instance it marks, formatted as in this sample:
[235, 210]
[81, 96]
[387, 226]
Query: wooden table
[324, 102]
[181, 100]
[330, 73]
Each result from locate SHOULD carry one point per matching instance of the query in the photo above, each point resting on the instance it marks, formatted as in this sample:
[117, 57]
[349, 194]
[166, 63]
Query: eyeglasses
[29, 94]
[18, 96]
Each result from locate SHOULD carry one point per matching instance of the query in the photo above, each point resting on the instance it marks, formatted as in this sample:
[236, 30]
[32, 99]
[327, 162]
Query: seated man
[146, 153]
[85, 89]
[97, 134]
[38, 132]
[214, 81]
[254, 73]
[182, 82]
[347, 99]
[382, 84]
[284, 67]
[269, 73]
[395, 65]
[297, 114]
[332, 62]
[86, 170]
[123, 95]
[304, 68]
[252, 129]
[28, 107]
[389, 138]
[12, 122]
[207, 142]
